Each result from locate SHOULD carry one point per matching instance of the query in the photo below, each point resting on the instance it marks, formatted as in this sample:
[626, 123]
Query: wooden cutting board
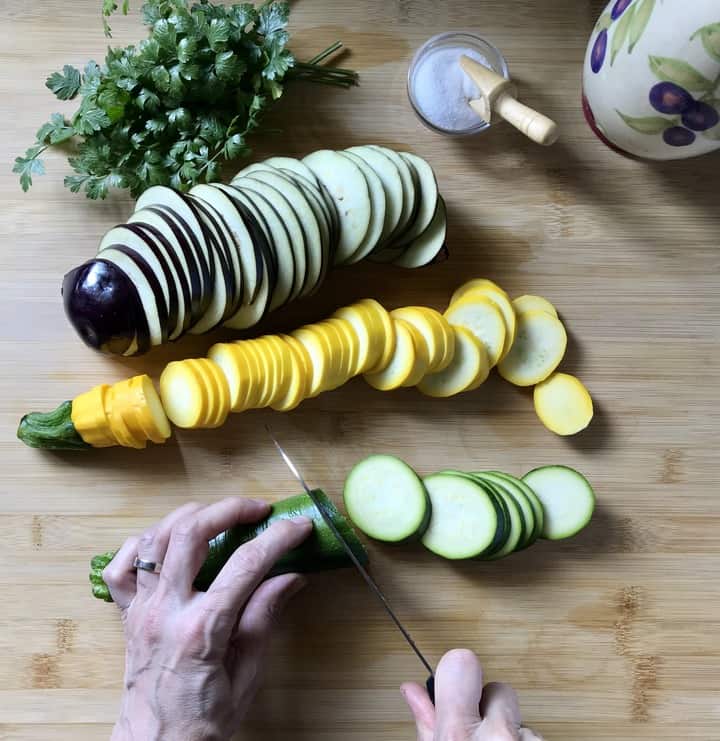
[610, 636]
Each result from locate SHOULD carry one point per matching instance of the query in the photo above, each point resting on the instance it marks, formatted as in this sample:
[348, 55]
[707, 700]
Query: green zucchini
[51, 430]
[321, 551]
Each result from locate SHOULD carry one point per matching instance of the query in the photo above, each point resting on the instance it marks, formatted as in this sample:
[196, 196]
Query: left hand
[194, 659]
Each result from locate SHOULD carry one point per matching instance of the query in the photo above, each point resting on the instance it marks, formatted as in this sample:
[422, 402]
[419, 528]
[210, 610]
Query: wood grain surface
[612, 635]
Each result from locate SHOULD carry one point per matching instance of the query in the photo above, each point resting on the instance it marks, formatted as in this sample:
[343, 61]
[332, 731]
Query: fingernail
[301, 520]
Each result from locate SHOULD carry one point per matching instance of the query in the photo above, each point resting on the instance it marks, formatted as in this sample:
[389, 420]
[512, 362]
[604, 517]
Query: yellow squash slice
[388, 332]
[563, 404]
[402, 363]
[141, 409]
[369, 332]
[431, 331]
[529, 302]
[538, 349]
[482, 317]
[233, 361]
[472, 285]
[297, 376]
[468, 370]
[195, 394]
[316, 349]
[422, 355]
[502, 302]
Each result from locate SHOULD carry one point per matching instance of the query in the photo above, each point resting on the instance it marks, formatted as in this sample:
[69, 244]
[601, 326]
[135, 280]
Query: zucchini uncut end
[51, 430]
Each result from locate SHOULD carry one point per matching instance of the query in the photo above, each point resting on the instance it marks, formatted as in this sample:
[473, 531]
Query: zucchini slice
[387, 500]
[563, 404]
[349, 190]
[539, 347]
[567, 498]
[532, 497]
[516, 522]
[482, 317]
[530, 530]
[464, 521]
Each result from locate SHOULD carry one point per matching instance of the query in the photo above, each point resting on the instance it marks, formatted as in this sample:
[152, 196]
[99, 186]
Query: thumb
[422, 709]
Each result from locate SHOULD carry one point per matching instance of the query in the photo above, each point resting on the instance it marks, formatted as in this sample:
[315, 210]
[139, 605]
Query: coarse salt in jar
[440, 91]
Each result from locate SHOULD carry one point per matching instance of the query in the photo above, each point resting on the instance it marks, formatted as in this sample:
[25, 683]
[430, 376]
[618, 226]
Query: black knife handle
[430, 686]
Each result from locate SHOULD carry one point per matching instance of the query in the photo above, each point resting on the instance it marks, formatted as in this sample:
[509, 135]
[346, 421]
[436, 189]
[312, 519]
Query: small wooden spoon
[500, 95]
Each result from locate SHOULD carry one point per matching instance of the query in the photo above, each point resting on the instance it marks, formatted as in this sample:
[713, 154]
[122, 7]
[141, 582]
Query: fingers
[249, 565]
[188, 540]
[421, 708]
[260, 617]
[458, 689]
[153, 545]
[499, 707]
[119, 574]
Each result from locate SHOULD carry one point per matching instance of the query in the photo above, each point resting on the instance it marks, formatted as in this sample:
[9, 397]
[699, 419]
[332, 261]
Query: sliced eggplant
[389, 176]
[377, 210]
[428, 198]
[178, 309]
[349, 190]
[308, 222]
[409, 187]
[277, 236]
[202, 255]
[293, 164]
[103, 305]
[148, 287]
[287, 214]
[425, 248]
[192, 266]
[247, 254]
[250, 314]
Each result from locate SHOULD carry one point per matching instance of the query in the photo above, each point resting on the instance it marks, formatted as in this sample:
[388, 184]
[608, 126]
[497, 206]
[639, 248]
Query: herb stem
[324, 54]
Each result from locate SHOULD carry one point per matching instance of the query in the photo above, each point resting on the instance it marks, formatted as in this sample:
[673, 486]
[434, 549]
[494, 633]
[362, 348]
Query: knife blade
[363, 571]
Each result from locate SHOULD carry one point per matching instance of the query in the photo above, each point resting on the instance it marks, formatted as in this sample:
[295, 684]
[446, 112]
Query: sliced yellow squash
[422, 355]
[448, 335]
[123, 434]
[472, 285]
[90, 419]
[304, 366]
[529, 302]
[258, 374]
[297, 377]
[138, 403]
[482, 317]
[502, 302]
[195, 393]
[233, 361]
[388, 332]
[319, 358]
[430, 330]
[368, 331]
[563, 404]
[468, 370]
[402, 363]
[537, 351]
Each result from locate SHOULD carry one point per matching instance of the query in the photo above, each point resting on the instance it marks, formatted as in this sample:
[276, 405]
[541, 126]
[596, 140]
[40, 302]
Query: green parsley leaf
[65, 84]
[228, 67]
[273, 18]
[91, 120]
[28, 166]
[56, 130]
[218, 34]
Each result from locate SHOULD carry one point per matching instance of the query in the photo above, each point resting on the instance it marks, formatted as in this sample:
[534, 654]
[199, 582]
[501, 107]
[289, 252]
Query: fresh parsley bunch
[171, 109]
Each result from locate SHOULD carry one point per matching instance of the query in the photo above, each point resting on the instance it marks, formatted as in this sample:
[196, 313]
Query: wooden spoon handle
[534, 125]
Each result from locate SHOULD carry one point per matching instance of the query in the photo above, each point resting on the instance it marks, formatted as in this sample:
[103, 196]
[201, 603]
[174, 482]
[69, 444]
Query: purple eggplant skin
[104, 307]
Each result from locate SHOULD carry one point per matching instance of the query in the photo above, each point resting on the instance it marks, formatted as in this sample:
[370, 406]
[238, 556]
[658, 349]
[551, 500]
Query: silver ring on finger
[152, 567]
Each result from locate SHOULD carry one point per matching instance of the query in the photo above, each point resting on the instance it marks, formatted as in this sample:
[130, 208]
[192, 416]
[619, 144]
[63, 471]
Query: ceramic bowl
[651, 79]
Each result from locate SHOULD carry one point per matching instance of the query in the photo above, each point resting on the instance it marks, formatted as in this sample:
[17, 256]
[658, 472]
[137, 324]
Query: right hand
[464, 710]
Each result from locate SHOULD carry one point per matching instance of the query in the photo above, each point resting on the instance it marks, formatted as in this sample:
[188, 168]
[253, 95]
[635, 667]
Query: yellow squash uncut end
[563, 404]
[537, 351]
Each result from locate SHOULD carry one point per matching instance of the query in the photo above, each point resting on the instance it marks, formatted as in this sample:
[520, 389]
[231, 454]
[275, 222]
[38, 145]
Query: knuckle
[186, 531]
[500, 730]
[111, 575]
[251, 563]
[147, 539]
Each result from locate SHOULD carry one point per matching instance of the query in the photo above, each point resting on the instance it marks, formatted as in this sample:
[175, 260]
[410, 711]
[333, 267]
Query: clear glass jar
[451, 39]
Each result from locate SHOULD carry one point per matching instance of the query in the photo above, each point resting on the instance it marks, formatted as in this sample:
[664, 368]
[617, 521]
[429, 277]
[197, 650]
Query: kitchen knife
[430, 683]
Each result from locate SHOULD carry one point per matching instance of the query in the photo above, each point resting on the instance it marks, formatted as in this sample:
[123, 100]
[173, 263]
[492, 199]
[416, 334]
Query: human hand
[194, 659]
[465, 710]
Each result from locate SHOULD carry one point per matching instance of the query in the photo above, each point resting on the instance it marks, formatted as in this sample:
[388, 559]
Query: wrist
[139, 720]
